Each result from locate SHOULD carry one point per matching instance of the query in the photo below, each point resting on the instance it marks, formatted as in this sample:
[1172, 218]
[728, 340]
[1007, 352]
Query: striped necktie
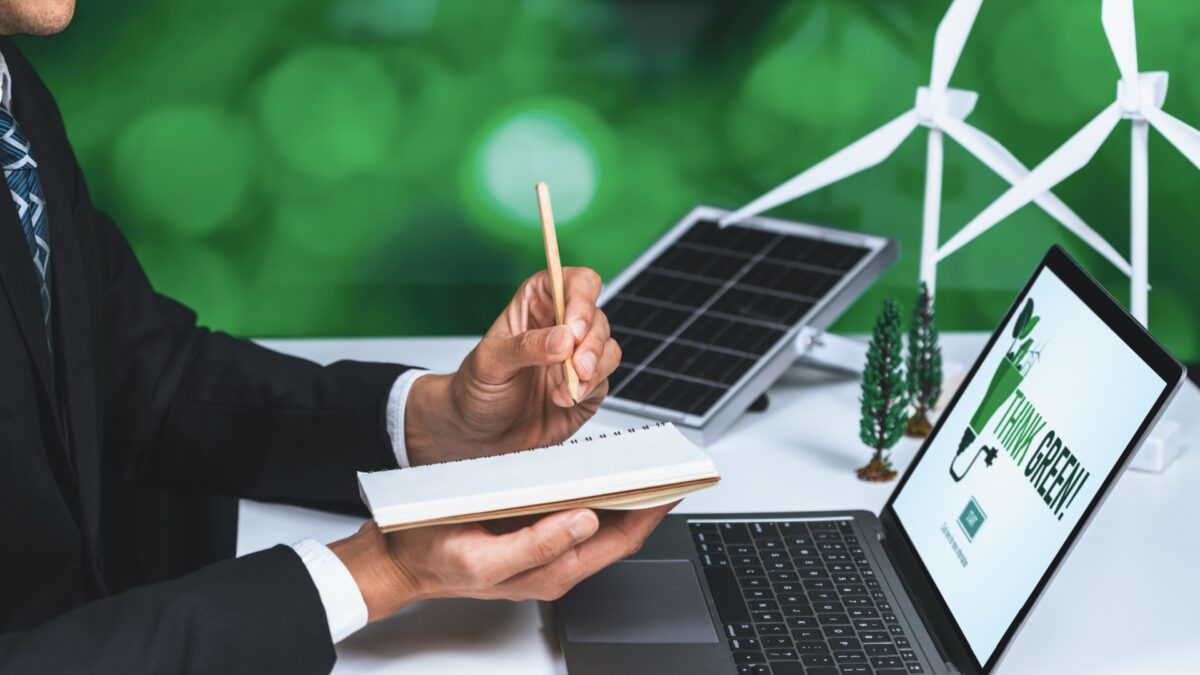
[20, 170]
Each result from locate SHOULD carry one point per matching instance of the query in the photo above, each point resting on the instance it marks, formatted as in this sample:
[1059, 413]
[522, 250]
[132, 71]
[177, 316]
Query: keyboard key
[886, 662]
[915, 668]
[714, 560]
[881, 650]
[766, 617]
[816, 659]
[754, 594]
[771, 629]
[864, 613]
[776, 641]
[874, 637]
[850, 657]
[806, 634]
[822, 525]
[743, 644]
[908, 655]
[819, 596]
[749, 571]
[902, 643]
[783, 576]
[835, 620]
[742, 549]
[764, 531]
[702, 527]
[830, 607]
[838, 631]
[843, 644]
[781, 655]
[789, 599]
[868, 624]
[763, 606]
[783, 668]
[726, 596]
[748, 657]
[855, 668]
[739, 630]
[798, 610]
[796, 622]
[735, 533]
[811, 647]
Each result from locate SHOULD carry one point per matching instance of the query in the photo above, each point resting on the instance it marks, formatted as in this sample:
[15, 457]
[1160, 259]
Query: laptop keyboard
[800, 598]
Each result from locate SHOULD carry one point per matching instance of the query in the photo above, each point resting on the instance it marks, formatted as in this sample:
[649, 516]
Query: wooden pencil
[554, 268]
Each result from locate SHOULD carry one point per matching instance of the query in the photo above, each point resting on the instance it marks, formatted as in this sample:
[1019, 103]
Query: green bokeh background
[366, 167]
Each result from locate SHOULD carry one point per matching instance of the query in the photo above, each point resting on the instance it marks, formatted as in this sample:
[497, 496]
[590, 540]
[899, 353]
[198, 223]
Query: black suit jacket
[136, 395]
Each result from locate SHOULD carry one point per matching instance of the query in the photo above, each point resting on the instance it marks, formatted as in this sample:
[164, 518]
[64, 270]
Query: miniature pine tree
[884, 400]
[924, 365]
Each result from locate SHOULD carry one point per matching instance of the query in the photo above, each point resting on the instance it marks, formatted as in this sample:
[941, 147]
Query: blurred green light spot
[185, 167]
[552, 140]
[382, 18]
[330, 111]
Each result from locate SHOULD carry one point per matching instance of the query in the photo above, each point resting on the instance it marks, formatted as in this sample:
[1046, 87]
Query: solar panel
[707, 317]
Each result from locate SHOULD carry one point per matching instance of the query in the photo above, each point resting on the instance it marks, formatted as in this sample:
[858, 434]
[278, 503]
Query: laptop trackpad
[639, 601]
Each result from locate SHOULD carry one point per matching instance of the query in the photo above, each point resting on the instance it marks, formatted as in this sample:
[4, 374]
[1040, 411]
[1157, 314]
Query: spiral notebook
[622, 469]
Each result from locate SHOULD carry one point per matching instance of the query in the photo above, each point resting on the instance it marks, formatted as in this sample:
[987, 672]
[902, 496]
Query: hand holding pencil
[537, 375]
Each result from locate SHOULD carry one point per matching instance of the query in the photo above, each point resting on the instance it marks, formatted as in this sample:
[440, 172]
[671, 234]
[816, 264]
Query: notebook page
[598, 464]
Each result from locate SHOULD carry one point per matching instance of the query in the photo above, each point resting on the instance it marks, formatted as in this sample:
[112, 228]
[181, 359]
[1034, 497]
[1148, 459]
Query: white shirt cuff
[345, 609]
[397, 399]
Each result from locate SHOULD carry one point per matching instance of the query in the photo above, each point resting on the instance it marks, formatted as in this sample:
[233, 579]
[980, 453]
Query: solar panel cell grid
[698, 318]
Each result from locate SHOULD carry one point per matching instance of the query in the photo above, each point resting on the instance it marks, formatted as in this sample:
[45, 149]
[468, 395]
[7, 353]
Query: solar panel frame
[776, 359]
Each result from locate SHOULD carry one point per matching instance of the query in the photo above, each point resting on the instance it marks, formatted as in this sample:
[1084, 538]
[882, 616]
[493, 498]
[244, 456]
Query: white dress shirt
[344, 605]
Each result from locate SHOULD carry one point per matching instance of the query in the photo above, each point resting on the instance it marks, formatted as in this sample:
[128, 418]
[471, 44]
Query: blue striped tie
[20, 170]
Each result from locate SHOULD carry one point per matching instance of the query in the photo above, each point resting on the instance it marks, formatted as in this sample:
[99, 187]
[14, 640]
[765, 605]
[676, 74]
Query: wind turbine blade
[1117, 17]
[948, 42]
[864, 153]
[1183, 137]
[1066, 160]
[997, 158]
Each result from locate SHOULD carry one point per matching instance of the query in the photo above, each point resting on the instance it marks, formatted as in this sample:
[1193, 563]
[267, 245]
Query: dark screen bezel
[942, 621]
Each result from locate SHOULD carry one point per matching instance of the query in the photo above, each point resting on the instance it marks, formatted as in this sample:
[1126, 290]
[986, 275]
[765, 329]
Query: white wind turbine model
[1140, 98]
[942, 110]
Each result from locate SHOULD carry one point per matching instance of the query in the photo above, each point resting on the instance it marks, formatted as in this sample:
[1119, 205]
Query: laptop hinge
[922, 614]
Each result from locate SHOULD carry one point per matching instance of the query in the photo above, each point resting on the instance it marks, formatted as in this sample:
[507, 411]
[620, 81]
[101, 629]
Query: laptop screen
[1017, 461]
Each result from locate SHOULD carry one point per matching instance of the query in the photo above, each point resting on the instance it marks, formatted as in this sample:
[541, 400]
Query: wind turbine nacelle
[955, 103]
[1152, 91]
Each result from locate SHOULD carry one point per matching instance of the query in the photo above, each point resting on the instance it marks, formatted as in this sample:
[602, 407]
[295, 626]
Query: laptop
[941, 580]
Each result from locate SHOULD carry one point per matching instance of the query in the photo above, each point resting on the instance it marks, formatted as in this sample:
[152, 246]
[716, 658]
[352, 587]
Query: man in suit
[109, 388]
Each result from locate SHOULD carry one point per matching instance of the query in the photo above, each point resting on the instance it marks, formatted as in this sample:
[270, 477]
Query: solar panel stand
[828, 351]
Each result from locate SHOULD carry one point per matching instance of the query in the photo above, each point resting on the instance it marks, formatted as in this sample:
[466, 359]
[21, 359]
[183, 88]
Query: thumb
[543, 542]
[504, 357]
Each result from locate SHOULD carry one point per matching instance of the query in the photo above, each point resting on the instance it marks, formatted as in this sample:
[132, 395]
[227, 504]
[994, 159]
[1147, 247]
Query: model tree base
[918, 426]
[877, 471]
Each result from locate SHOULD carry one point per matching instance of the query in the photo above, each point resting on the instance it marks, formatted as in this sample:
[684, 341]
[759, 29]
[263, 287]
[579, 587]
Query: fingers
[500, 358]
[588, 351]
[621, 535]
[581, 288]
[538, 544]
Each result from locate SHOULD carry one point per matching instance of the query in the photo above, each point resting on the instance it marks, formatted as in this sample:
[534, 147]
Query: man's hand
[539, 560]
[509, 392]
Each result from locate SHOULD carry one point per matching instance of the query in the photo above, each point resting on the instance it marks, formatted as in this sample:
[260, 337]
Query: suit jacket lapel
[74, 302]
[21, 285]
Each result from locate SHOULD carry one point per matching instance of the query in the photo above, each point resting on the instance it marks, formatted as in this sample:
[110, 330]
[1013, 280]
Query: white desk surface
[1126, 601]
